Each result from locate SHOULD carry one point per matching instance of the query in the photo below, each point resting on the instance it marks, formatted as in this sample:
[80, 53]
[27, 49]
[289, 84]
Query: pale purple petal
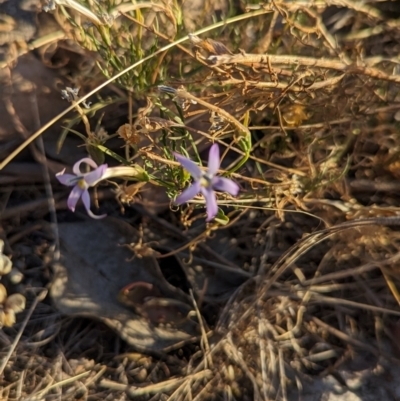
[211, 202]
[95, 175]
[77, 166]
[66, 179]
[188, 193]
[225, 185]
[190, 166]
[86, 203]
[213, 160]
[74, 196]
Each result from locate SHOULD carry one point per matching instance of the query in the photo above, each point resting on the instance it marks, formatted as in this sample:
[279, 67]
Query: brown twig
[294, 61]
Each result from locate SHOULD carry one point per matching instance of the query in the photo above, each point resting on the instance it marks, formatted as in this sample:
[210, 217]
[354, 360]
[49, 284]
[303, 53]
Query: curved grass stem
[120, 74]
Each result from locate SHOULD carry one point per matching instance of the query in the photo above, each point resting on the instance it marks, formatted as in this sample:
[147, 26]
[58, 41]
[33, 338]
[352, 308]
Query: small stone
[15, 276]
[353, 380]
[331, 382]
[16, 303]
[141, 375]
[5, 264]
[3, 293]
[231, 373]
[8, 318]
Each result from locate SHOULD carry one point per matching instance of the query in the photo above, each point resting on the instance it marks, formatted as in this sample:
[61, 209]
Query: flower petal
[74, 196]
[188, 193]
[189, 165]
[211, 202]
[95, 175]
[225, 185]
[86, 203]
[213, 160]
[77, 166]
[66, 179]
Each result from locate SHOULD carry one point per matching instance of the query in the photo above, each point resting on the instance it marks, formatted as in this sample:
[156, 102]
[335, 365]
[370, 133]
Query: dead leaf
[94, 267]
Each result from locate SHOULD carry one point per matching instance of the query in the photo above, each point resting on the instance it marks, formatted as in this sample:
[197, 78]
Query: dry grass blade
[38, 299]
[165, 386]
[311, 240]
[208, 363]
[58, 385]
[233, 354]
[346, 337]
[351, 272]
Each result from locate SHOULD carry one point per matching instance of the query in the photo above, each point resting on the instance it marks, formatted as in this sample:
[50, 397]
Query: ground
[290, 290]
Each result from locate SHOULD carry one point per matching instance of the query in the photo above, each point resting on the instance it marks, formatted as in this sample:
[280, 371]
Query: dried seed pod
[127, 193]
[295, 114]
[209, 45]
[129, 134]
[5, 264]
[3, 293]
[15, 276]
[15, 302]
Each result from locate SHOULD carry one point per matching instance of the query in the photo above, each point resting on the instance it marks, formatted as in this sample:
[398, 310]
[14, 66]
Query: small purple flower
[206, 182]
[81, 182]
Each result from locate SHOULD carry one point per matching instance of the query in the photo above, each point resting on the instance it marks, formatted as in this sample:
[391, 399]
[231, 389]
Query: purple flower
[206, 182]
[81, 182]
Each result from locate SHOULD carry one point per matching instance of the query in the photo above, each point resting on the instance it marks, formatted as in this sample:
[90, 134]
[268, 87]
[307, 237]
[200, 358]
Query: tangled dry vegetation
[303, 97]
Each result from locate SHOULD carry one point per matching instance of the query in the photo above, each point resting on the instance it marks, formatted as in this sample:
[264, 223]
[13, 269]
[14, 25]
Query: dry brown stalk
[352, 272]
[360, 7]
[294, 61]
[242, 130]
